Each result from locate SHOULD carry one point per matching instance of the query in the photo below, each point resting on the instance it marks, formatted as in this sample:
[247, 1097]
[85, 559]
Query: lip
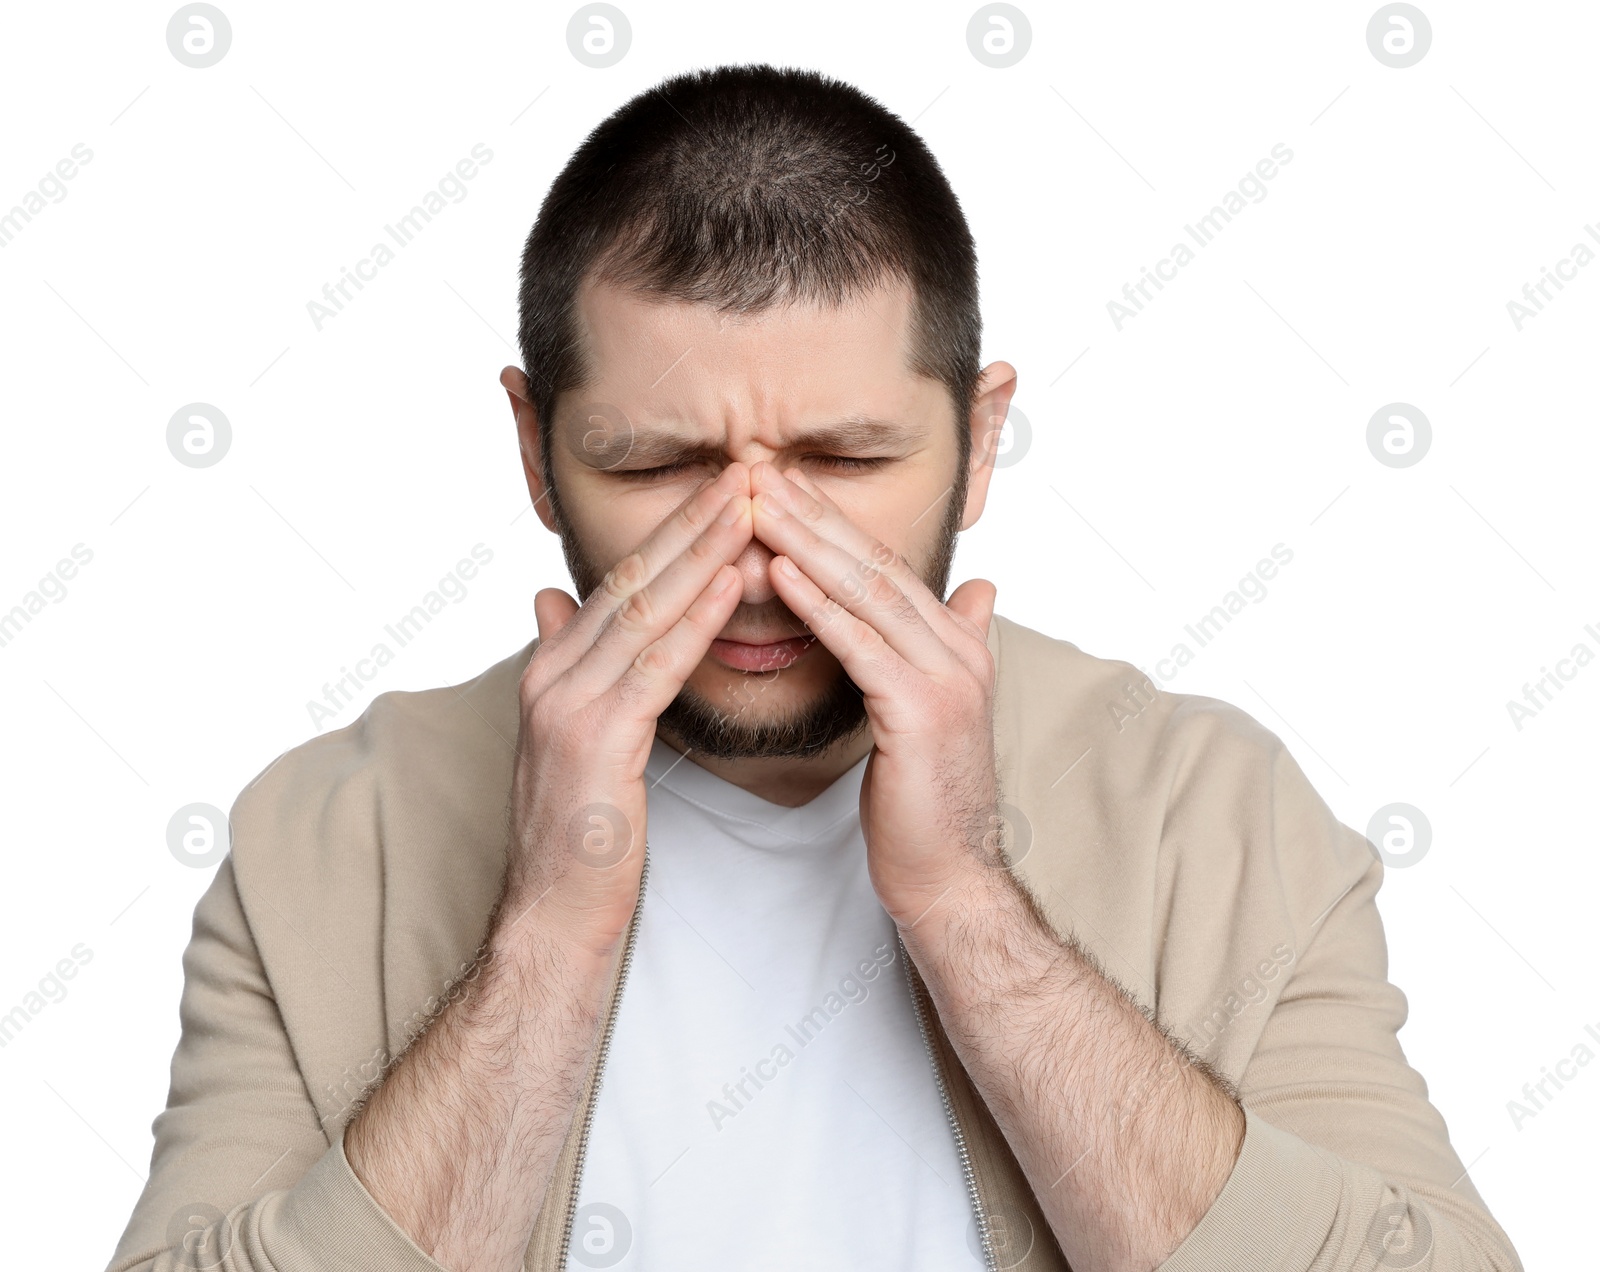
[774, 656]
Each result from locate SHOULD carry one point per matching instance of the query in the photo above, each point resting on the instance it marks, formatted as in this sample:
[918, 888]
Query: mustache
[772, 618]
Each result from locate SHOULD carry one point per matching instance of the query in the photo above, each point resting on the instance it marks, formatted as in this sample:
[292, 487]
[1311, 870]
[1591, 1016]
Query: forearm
[1125, 1142]
[460, 1141]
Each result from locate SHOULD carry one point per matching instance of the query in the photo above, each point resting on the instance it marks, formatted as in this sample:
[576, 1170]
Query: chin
[772, 715]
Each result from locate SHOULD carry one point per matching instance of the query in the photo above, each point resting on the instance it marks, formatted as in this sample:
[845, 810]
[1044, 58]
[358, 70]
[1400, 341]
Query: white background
[1231, 415]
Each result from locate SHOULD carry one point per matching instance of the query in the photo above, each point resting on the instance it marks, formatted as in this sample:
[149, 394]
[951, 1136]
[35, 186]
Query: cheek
[611, 524]
[892, 514]
[890, 501]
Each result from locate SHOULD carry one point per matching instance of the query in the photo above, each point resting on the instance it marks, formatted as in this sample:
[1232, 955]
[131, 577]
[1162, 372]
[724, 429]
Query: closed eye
[844, 463]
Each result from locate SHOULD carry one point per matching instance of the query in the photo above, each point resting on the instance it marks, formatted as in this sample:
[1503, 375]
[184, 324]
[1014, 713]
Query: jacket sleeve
[1345, 1166]
[243, 1175]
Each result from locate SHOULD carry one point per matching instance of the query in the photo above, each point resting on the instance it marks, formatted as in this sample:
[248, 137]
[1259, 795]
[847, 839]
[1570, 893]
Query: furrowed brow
[861, 433]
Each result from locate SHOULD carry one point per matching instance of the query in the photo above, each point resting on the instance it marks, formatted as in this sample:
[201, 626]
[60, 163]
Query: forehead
[758, 374]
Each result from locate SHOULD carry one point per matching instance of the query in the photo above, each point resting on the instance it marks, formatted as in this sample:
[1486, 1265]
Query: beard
[836, 715]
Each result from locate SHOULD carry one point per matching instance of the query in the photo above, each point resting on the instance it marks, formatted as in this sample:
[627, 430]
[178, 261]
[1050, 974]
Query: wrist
[981, 944]
[567, 912]
[546, 951]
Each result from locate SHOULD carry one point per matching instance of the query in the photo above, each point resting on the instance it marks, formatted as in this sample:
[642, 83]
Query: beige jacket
[1172, 833]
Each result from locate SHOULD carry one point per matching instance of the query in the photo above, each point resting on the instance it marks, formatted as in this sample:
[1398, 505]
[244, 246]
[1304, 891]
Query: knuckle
[863, 637]
[637, 613]
[824, 614]
[653, 661]
[631, 689]
[546, 717]
[532, 685]
[696, 515]
[539, 681]
[626, 577]
[702, 548]
[884, 590]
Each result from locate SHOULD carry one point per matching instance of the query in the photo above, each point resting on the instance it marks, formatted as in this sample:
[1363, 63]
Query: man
[829, 923]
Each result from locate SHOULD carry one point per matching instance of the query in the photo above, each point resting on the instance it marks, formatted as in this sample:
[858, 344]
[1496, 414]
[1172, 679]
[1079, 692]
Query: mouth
[741, 656]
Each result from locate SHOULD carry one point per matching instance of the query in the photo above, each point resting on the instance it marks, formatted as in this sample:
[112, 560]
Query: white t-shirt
[765, 1102]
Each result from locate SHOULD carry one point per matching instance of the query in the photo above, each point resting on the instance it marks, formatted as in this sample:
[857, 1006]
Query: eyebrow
[656, 448]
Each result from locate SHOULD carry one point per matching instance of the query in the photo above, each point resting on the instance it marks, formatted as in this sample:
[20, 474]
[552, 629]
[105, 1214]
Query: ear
[516, 387]
[996, 384]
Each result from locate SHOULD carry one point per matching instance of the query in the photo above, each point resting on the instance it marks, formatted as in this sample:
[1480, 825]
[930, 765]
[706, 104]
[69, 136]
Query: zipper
[990, 1261]
[600, 1060]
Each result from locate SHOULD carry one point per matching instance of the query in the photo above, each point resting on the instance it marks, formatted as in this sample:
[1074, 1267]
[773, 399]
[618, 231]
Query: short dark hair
[744, 187]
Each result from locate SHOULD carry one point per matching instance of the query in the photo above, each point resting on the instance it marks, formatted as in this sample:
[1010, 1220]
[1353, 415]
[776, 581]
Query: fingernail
[786, 568]
[771, 507]
[731, 513]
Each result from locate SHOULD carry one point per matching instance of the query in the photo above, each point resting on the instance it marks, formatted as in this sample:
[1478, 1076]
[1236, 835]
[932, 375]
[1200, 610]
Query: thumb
[974, 601]
[552, 610]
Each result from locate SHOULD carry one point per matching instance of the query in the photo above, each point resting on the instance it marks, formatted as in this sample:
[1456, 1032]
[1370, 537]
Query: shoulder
[1053, 696]
[407, 747]
[1171, 785]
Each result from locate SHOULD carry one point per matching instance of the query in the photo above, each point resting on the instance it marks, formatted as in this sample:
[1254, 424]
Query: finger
[665, 543]
[650, 612]
[866, 657]
[787, 523]
[973, 601]
[950, 624]
[552, 610]
[659, 671]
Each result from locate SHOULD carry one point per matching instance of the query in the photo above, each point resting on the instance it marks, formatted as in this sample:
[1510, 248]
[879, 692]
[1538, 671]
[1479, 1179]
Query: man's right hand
[459, 1140]
[601, 675]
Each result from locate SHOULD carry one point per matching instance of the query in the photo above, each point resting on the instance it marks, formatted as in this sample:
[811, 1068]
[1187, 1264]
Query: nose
[752, 564]
[755, 559]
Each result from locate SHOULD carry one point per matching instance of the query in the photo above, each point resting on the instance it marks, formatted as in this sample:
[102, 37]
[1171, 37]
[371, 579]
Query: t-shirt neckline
[679, 774]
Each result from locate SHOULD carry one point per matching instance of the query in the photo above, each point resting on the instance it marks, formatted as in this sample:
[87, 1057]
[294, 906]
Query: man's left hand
[928, 797]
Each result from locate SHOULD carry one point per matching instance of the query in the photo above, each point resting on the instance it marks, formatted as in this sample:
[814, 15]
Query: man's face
[679, 392]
